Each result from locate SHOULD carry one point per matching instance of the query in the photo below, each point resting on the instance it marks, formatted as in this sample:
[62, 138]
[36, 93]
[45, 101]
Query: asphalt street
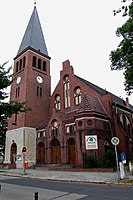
[17, 188]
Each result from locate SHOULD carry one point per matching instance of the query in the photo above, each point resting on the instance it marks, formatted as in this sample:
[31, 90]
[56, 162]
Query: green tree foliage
[7, 108]
[122, 57]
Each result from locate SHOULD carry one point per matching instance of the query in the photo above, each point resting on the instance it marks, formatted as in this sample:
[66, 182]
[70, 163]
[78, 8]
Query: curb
[113, 183]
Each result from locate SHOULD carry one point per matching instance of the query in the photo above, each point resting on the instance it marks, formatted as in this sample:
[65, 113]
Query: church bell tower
[32, 85]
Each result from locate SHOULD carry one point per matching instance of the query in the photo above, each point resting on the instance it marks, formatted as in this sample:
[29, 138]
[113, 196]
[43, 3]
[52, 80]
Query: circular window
[55, 124]
[58, 98]
[80, 123]
[78, 91]
[89, 122]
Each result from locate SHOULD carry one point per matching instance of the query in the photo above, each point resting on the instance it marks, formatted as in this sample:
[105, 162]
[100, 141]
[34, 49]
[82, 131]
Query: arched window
[69, 128]
[17, 66]
[129, 131]
[77, 96]
[39, 91]
[39, 63]
[124, 122]
[126, 125]
[17, 92]
[34, 61]
[44, 66]
[24, 59]
[67, 91]
[55, 126]
[20, 66]
[57, 102]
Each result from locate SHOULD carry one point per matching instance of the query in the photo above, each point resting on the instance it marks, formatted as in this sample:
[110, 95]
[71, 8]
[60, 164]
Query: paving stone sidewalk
[92, 177]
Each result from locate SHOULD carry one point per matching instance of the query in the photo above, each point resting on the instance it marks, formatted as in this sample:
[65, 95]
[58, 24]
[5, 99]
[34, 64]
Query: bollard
[36, 195]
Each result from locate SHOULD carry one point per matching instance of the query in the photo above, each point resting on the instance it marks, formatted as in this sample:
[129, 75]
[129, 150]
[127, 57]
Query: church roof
[33, 36]
[90, 103]
[116, 100]
[93, 86]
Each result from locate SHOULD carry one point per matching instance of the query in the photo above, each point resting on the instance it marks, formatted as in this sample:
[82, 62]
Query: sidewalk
[88, 177]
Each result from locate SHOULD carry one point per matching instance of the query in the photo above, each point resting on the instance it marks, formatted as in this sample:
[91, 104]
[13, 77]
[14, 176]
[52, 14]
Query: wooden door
[55, 152]
[40, 153]
[13, 153]
[71, 151]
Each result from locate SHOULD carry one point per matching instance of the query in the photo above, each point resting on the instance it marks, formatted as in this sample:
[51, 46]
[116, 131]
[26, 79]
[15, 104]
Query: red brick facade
[37, 95]
[77, 116]
[99, 113]
[96, 113]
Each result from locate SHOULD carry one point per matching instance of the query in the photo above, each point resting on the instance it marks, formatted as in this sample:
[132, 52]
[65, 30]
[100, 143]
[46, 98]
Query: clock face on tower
[39, 79]
[18, 80]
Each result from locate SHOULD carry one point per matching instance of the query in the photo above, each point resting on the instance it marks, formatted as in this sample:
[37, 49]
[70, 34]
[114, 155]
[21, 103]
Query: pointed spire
[35, 2]
[33, 36]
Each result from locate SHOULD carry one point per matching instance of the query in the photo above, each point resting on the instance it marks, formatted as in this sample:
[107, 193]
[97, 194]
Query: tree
[122, 57]
[7, 109]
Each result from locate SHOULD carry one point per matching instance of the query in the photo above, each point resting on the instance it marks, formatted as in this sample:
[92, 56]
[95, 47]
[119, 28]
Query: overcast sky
[82, 31]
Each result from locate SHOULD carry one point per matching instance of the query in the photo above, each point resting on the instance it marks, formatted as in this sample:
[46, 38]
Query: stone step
[49, 166]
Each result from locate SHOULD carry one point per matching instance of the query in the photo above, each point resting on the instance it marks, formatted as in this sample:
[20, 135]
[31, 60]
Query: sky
[82, 31]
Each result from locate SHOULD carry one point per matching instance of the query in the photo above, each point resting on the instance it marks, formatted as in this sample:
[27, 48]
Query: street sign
[123, 158]
[23, 150]
[115, 140]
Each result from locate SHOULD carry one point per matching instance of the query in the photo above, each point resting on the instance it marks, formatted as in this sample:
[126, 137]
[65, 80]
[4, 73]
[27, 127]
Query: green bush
[109, 159]
[90, 162]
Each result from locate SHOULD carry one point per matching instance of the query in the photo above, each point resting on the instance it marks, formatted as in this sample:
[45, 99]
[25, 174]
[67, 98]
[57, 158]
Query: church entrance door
[55, 152]
[40, 153]
[71, 151]
[13, 153]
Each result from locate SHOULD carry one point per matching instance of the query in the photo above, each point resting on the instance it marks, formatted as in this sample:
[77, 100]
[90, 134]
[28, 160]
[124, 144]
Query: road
[24, 189]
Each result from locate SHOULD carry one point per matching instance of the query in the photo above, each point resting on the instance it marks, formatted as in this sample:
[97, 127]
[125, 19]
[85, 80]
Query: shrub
[109, 159]
[90, 162]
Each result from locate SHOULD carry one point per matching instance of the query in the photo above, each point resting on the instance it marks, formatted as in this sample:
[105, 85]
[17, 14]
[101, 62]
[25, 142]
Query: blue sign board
[123, 156]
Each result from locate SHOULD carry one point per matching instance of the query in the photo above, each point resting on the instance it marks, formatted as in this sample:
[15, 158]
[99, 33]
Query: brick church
[76, 121]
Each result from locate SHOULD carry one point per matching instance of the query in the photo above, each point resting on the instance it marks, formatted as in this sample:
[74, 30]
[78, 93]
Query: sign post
[24, 152]
[122, 165]
[115, 142]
